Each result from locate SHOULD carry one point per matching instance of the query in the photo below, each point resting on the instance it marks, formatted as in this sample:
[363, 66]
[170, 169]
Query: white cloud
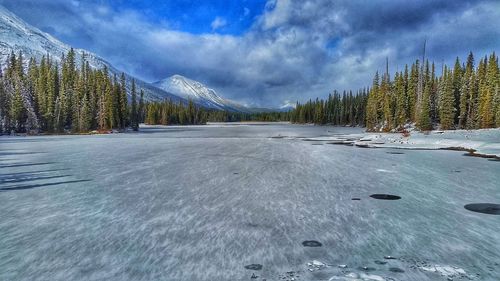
[284, 56]
[218, 23]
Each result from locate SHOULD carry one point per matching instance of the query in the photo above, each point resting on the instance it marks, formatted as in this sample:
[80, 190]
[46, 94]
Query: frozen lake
[203, 202]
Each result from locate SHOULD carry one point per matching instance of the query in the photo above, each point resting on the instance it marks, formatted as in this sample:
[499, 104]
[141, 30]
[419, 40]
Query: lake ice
[232, 202]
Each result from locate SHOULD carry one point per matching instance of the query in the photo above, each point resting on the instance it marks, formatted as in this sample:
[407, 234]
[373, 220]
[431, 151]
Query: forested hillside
[50, 97]
[53, 98]
[461, 97]
[345, 109]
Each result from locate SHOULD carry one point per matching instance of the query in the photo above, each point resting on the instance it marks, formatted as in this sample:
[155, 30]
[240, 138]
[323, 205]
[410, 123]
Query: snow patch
[445, 270]
[357, 277]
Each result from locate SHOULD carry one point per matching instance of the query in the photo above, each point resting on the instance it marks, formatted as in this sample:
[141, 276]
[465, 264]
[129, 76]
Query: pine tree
[466, 89]
[411, 93]
[457, 84]
[447, 101]
[497, 98]
[17, 110]
[386, 98]
[141, 108]
[4, 106]
[487, 89]
[400, 114]
[372, 105]
[122, 102]
[424, 118]
[433, 99]
[134, 114]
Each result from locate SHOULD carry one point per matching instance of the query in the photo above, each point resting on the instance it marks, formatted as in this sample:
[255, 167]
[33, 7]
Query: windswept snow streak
[230, 202]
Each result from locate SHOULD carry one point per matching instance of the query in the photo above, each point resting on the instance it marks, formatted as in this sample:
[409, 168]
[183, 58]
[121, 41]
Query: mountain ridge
[18, 36]
[197, 92]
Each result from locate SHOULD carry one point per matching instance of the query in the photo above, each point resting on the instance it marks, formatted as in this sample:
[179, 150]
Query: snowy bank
[485, 142]
[481, 142]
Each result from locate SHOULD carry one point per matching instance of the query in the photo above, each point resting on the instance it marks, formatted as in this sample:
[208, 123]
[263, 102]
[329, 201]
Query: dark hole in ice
[394, 152]
[254, 266]
[380, 262]
[457, 171]
[317, 144]
[396, 269]
[311, 243]
[356, 199]
[485, 208]
[385, 196]
[252, 224]
[494, 159]
[236, 173]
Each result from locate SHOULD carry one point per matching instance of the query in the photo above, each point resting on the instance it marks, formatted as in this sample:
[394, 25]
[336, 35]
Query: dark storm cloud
[295, 50]
[384, 16]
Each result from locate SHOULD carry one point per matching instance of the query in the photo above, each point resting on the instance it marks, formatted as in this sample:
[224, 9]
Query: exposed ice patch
[358, 277]
[445, 270]
[384, 171]
[316, 265]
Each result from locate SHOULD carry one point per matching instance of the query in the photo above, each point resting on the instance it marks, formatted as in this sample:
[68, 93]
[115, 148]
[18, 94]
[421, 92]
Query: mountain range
[18, 36]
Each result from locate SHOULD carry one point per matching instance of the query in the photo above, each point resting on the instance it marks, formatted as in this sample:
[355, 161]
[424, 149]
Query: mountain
[17, 35]
[198, 93]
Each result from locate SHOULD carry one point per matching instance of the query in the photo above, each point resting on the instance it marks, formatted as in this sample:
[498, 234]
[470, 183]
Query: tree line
[172, 113]
[63, 97]
[462, 97]
[346, 109]
[72, 97]
[53, 97]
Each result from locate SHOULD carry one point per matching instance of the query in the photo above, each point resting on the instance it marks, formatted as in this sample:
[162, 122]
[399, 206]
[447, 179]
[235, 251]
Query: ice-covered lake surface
[232, 202]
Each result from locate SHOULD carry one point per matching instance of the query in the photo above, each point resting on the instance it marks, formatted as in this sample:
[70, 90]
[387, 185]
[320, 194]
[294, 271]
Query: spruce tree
[134, 114]
[372, 105]
[466, 89]
[424, 118]
[122, 102]
[447, 101]
[411, 93]
[400, 115]
[457, 84]
[141, 107]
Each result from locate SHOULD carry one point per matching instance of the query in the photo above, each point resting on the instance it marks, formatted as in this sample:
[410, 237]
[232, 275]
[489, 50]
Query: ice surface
[203, 202]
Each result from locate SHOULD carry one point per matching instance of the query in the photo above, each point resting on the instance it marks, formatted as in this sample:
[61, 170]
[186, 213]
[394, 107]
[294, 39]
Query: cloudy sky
[267, 53]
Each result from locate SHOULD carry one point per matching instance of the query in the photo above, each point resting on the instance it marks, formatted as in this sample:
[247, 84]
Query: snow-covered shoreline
[483, 142]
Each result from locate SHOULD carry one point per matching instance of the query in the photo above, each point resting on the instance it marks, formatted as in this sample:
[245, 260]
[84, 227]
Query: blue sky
[197, 17]
[268, 52]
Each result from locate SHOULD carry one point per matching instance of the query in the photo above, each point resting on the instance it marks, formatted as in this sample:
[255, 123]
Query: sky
[268, 52]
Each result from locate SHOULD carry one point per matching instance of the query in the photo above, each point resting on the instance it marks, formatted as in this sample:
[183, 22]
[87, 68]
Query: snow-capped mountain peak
[18, 36]
[195, 91]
